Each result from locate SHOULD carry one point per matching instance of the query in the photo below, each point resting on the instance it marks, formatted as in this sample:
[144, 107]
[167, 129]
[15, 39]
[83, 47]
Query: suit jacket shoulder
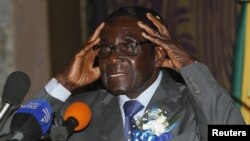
[195, 98]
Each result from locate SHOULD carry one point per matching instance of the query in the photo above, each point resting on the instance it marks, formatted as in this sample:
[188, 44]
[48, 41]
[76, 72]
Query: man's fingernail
[144, 34]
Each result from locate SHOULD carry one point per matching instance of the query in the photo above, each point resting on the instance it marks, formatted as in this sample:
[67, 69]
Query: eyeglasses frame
[113, 47]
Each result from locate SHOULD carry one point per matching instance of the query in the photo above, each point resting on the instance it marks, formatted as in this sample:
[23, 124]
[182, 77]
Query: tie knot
[132, 107]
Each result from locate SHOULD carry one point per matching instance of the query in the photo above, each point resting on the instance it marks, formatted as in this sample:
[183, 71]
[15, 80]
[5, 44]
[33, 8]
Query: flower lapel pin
[154, 126]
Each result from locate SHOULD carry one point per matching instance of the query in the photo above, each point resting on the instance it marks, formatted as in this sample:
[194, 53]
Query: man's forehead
[120, 40]
[126, 32]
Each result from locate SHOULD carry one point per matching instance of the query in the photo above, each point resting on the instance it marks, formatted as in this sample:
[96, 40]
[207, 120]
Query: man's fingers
[91, 44]
[82, 53]
[157, 40]
[160, 26]
[97, 32]
[148, 29]
[97, 72]
[90, 57]
[167, 63]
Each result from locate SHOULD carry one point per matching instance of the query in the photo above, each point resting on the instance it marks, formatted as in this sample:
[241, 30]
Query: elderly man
[134, 50]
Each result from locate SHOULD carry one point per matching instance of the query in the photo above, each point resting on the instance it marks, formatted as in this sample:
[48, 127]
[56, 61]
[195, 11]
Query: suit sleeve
[54, 102]
[54, 93]
[211, 100]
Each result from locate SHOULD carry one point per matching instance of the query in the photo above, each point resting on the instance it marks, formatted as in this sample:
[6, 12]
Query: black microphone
[5, 137]
[14, 91]
[76, 117]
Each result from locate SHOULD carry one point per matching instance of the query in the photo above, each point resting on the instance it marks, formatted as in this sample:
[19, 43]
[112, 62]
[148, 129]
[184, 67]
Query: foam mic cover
[76, 117]
[15, 88]
[14, 91]
[32, 119]
[80, 112]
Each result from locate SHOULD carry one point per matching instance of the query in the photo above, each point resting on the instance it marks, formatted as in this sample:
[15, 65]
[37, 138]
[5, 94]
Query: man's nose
[114, 57]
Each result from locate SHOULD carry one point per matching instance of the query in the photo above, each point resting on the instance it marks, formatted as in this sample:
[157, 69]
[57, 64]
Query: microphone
[76, 117]
[5, 137]
[31, 121]
[14, 91]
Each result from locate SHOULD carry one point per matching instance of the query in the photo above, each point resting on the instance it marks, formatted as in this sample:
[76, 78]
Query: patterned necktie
[130, 109]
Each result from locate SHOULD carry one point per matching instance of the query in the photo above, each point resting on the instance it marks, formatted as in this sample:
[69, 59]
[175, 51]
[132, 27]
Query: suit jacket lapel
[167, 96]
[112, 124]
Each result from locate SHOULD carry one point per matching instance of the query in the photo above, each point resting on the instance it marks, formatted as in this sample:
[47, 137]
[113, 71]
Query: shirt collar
[144, 97]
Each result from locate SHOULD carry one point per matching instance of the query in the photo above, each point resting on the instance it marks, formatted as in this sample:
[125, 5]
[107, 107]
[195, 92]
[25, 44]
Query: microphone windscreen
[26, 124]
[81, 112]
[40, 110]
[15, 88]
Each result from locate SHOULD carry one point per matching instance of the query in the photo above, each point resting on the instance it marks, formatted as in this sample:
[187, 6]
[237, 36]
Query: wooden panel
[31, 41]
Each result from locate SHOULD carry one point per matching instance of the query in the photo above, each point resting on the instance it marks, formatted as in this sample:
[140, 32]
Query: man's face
[128, 75]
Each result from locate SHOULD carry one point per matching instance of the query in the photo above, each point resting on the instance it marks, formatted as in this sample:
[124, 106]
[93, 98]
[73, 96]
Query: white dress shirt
[143, 98]
[56, 90]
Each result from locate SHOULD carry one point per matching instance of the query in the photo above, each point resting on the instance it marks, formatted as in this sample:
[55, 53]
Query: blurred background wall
[24, 40]
[40, 37]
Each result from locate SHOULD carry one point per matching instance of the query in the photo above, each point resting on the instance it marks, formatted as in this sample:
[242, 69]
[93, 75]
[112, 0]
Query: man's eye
[130, 45]
[104, 49]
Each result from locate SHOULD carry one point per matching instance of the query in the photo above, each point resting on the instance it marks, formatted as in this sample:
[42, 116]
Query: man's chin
[117, 91]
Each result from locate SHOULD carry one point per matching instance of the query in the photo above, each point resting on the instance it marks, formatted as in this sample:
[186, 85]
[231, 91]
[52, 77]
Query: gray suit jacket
[197, 103]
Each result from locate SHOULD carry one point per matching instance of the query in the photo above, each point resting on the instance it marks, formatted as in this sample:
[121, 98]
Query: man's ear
[159, 56]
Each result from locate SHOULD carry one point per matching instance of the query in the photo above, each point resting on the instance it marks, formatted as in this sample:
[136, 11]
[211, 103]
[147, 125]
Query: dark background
[40, 37]
[206, 28]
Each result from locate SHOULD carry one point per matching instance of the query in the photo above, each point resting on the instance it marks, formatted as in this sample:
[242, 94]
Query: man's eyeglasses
[122, 49]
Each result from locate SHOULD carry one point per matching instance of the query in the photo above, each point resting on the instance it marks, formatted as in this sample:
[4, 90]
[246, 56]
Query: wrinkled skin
[80, 71]
[128, 75]
[121, 74]
[176, 57]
